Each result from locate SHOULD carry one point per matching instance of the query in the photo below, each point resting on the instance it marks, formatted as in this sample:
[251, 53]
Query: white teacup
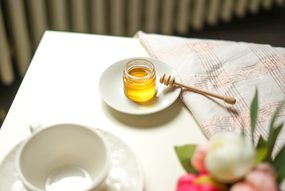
[63, 157]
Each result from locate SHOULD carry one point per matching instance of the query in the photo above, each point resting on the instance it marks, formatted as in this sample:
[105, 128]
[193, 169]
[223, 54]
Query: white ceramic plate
[125, 172]
[111, 89]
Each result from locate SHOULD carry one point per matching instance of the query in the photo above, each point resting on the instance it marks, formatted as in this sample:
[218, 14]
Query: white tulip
[231, 156]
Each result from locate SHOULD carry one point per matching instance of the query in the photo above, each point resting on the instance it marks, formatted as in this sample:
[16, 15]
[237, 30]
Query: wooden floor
[267, 27]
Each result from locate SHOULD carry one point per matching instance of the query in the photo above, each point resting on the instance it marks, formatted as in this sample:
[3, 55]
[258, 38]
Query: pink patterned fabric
[227, 68]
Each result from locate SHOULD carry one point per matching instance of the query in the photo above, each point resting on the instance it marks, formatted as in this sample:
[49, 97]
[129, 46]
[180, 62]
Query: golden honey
[139, 80]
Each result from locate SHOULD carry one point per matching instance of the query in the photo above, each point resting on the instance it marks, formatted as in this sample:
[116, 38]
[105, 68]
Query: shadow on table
[149, 120]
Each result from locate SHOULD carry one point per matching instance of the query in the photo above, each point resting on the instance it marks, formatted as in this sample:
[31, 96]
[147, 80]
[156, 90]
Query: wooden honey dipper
[169, 80]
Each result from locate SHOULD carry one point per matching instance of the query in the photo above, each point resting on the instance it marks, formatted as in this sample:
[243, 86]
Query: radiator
[22, 22]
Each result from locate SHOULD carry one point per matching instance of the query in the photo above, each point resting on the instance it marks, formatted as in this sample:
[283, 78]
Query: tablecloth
[228, 68]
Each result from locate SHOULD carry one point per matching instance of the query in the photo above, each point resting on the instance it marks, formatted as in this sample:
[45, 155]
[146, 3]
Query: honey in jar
[139, 80]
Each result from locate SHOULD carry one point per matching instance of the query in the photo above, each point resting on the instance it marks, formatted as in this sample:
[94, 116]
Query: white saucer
[111, 89]
[125, 172]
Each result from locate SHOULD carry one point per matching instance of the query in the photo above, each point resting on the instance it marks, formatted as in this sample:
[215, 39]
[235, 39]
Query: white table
[61, 85]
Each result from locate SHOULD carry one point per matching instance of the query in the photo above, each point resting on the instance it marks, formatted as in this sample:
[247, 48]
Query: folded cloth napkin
[228, 68]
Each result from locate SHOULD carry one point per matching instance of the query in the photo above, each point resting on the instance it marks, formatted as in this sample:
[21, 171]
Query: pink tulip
[198, 158]
[191, 182]
[242, 186]
[185, 183]
[262, 181]
[266, 168]
[262, 178]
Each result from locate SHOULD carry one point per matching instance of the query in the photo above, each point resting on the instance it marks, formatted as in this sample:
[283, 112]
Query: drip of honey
[140, 83]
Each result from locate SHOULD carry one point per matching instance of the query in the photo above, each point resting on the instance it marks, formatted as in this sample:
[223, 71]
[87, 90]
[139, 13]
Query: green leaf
[261, 150]
[242, 130]
[261, 143]
[276, 113]
[273, 134]
[278, 163]
[253, 115]
[184, 154]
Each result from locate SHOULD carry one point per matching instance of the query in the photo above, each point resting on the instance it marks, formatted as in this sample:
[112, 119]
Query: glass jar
[139, 80]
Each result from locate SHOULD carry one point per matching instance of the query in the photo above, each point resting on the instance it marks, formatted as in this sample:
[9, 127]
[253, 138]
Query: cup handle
[34, 127]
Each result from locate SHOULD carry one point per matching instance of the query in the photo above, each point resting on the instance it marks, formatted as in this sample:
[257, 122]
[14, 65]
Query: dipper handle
[169, 80]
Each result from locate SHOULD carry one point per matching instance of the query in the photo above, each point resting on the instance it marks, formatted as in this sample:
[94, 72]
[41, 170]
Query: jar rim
[139, 63]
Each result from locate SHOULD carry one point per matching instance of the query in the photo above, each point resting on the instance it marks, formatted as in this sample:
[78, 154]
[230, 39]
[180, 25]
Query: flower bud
[231, 156]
